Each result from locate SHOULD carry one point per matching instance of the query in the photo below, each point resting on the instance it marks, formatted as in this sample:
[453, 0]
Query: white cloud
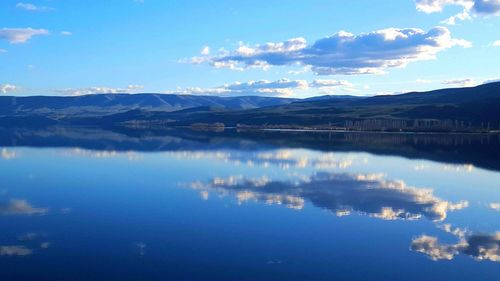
[433, 6]
[467, 82]
[319, 83]
[205, 51]
[343, 52]
[282, 87]
[20, 35]
[329, 86]
[130, 89]
[66, 33]
[3, 51]
[7, 88]
[470, 8]
[458, 17]
[32, 7]
[496, 43]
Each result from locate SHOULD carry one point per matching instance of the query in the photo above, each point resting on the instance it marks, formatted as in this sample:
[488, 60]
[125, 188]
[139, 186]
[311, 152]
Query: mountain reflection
[460, 149]
[340, 193]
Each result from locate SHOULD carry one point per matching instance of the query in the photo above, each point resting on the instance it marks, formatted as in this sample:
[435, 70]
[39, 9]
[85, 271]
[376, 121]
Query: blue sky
[68, 47]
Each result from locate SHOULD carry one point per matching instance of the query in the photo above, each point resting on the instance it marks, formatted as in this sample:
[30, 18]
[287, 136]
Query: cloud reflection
[340, 193]
[478, 246]
[7, 154]
[283, 158]
[15, 250]
[495, 206]
[20, 207]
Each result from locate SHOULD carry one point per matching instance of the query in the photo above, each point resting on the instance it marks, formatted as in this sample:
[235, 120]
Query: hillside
[102, 104]
[441, 110]
[457, 109]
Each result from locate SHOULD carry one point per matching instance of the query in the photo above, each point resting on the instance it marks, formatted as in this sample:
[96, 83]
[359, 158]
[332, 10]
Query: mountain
[456, 109]
[102, 104]
[462, 109]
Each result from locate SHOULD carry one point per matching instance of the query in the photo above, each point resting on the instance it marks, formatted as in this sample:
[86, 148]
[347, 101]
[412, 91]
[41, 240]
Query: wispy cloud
[20, 35]
[466, 82]
[32, 7]
[343, 52]
[282, 87]
[130, 89]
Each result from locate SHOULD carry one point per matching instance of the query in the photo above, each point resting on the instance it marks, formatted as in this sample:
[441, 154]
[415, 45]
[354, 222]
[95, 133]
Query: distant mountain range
[457, 109]
[103, 104]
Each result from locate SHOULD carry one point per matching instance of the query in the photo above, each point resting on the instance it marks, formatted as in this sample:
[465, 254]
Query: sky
[286, 48]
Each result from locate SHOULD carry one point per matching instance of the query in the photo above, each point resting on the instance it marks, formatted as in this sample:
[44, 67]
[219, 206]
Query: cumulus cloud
[340, 193]
[7, 88]
[15, 250]
[478, 246]
[467, 82]
[20, 35]
[433, 6]
[32, 7]
[470, 8]
[130, 89]
[20, 207]
[343, 52]
[283, 87]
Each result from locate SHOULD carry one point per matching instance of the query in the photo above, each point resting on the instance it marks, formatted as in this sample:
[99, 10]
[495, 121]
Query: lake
[91, 204]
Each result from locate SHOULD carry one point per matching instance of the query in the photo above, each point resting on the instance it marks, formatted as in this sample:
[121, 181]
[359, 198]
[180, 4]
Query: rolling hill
[102, 104]
[457, 109]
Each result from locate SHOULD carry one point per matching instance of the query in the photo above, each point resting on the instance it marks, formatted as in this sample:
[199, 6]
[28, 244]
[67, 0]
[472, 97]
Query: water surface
[85, 204]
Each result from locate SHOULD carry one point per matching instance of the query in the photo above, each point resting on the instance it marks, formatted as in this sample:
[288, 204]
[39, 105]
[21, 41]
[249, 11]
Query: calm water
[96, 205]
